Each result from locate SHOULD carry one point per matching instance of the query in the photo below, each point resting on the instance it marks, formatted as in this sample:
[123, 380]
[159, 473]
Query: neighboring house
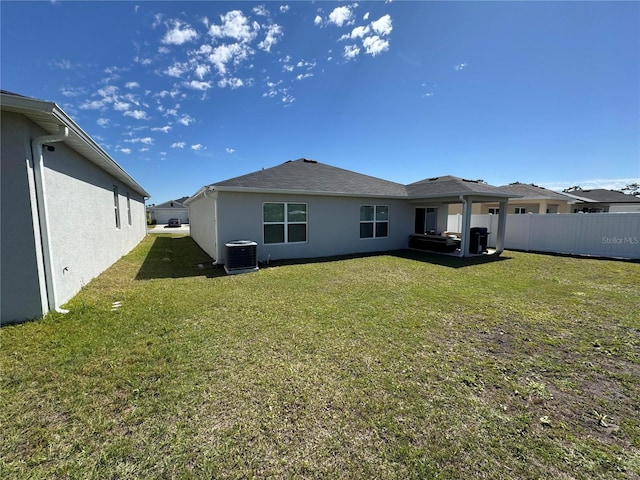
[306, 209]
[604, 201]
[530, 199]
[69, 210]
[162, 212]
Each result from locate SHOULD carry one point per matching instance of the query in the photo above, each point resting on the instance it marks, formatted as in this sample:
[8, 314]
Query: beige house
[532, 199]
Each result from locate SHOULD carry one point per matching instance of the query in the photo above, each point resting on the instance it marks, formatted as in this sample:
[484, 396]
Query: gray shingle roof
[606, 196]
[309, 176]
[533, 192]
[450, 185]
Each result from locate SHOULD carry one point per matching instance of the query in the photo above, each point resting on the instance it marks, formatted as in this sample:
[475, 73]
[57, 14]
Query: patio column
[502, 227]
[466, 226]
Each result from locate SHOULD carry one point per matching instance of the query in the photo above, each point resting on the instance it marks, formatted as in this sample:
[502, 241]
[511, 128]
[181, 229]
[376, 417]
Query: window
[129, 207]
[116, 205]
[374, 221]
[284, 222]
[494, 211]
[521, 210]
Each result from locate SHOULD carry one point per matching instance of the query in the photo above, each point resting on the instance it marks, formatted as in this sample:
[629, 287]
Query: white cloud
[178, 145]
[92, 105]
[224, 54]
[284, 8]
[371, 36]
[186, 120]
[103, 122]
[201, 70]
[126, 151]
[274, 33]
[108, 91]
[157, 20]
[145, 140]
[231, 82]
[342, 15]
[359, 32]
[120, 106]
[375, 45]
[230, 150]
[179, 33]
[382, 26]
[131, 85]
[142, 61]
[176, 70]
[144, 149]
[164, 129]
[137, 114]
[365, 17]
[63, 65]
[166, 93]
[428, 94]
[351, 52]
[71, 92]
[260, 10]
[302, 76]
[197, 147]
[460, 66]
[196, 85]
[235, 25]
[318, 20]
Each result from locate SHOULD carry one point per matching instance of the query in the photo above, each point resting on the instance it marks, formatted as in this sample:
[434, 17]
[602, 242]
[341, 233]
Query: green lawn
[393, 366]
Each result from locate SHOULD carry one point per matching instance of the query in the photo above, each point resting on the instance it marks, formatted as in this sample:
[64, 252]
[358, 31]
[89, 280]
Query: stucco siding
[82, 222]
[333, 225]
[20, 285]
[82, 231]
[202, 215]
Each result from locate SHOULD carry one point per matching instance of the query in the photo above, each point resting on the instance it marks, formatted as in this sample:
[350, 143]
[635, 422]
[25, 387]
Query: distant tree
[575, 188]
[632, 189]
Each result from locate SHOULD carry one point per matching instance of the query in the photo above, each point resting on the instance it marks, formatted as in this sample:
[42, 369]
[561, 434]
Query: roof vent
[306, 160]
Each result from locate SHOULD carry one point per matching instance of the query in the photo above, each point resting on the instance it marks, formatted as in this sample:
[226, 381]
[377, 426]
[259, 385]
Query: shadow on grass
[448, 260]
[433, 258]
[177, 257]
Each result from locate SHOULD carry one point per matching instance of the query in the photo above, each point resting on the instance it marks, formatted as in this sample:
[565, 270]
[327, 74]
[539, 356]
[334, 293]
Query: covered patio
[432, 197]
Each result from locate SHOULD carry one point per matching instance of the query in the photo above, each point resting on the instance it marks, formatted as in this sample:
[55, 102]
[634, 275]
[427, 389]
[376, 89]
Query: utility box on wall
[241, 257]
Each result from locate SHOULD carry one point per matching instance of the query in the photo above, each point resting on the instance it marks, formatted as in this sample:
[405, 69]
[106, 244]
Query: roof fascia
[455, 197]
[27, 105]
[201, 192]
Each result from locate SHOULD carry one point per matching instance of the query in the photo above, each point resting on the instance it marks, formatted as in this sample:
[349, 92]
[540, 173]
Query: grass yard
[388, 367]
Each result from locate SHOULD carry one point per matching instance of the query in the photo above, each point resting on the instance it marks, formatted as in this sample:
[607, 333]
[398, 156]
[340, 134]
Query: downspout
[43, 213]
[215, 228]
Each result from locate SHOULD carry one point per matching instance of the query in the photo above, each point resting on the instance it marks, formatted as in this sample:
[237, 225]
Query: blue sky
[184, 94]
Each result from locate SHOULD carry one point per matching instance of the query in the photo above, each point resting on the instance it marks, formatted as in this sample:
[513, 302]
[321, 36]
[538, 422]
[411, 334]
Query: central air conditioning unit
[241, 257]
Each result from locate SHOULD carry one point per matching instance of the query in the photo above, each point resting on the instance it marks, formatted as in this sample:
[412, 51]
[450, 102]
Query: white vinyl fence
[615, 235]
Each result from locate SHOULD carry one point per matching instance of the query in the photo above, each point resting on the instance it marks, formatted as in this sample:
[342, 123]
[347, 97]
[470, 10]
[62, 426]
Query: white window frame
[286, 223]
[520, 210]
[374, 221]
[494, 210]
